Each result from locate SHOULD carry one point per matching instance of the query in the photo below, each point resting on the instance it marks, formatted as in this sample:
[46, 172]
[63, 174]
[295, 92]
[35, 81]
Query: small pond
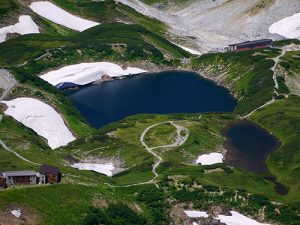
[248, 146]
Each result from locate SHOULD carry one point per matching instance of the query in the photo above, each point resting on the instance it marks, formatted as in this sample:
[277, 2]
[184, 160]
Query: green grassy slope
[95, 43]
[7, 6]
[283, 119]
[177, 2]
[288, 73]
[102, 11]
[123, 143]
[22, 56]
[161, 135]
[109, 11]
[59, 204]
[247, 73]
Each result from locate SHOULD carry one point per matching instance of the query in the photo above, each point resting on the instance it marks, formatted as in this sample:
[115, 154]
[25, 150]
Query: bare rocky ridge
[211, 25]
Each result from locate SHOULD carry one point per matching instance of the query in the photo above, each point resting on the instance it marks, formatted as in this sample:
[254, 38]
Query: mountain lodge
[263, 43]
[47, 175]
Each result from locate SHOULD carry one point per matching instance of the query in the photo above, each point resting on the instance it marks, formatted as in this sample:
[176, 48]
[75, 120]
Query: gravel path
[17, 154]
[12, 151]
[276, 60]
[180, 140]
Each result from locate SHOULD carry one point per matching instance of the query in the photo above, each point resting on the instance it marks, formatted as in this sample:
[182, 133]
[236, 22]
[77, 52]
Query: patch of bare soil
[71, 160]
[27, 217]
[12, 35]
[100, 202]
[135, 207]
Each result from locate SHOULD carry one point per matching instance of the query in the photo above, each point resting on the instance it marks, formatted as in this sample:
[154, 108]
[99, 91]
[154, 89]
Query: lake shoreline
[158, 93]
[154, 68]
[111, 79]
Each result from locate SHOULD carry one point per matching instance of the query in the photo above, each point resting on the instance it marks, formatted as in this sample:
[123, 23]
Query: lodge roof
[49, 169]
[252, 42]
[20, 173]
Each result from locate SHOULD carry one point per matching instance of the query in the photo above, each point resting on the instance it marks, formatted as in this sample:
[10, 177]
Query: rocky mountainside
[208, 24]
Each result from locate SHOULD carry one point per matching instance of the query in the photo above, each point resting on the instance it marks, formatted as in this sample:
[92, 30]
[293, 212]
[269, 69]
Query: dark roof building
[263, 43]
[49, 174]
[48, 169]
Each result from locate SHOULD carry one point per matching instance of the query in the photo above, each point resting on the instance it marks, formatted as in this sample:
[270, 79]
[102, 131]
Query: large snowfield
[57, 15]
[86, 73]
[105, 168]
[42, 118]
[235, 219]
[192, 51]
[209, 159]
[288, 27]
[25, 26]
[238, 219]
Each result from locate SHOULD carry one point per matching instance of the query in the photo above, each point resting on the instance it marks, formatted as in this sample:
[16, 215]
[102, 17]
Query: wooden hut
[49, 174]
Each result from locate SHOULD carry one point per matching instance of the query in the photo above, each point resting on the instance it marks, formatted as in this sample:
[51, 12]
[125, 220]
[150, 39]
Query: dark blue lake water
[161, 93]
[248, 146]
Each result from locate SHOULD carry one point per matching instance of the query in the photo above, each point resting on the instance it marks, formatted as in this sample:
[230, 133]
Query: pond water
[160, 93]
[248, 146]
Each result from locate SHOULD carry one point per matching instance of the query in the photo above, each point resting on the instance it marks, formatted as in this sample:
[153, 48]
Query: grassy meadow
[85, 196]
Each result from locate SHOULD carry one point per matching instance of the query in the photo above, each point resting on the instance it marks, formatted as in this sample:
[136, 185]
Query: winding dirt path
[180, 140]
[12, 151]
[17, 154]
[276, 60]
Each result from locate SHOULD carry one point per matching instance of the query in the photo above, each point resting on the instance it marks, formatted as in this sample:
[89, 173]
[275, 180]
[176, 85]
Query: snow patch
[209, 159]
[235, 219]
[192, 51]
[16, 212]
[195, 214]
[288, 27]
[86, 73]
[238, 219]
[57, 15]
[25, 26]
[42, 118]
[105, 168]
